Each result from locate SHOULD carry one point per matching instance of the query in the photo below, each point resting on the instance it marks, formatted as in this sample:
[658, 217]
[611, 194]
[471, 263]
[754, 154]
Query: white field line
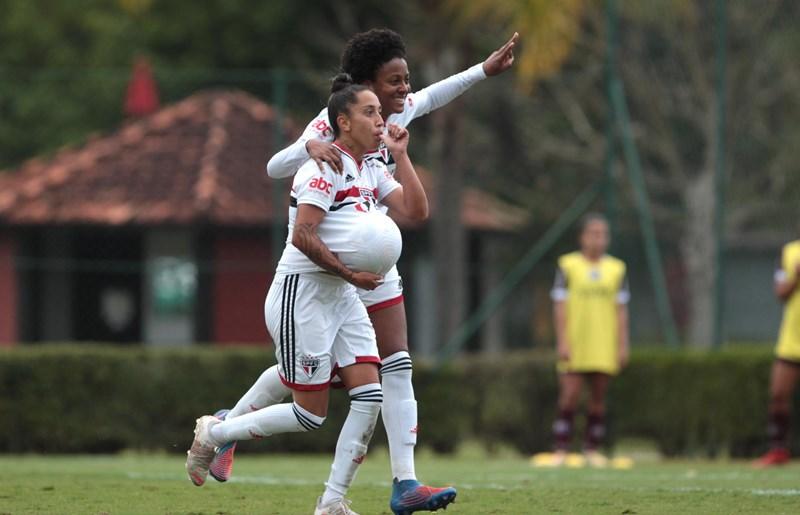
[281, 481]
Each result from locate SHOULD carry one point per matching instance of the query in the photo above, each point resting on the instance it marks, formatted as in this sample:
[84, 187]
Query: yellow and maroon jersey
[789, 338]
[591, 292]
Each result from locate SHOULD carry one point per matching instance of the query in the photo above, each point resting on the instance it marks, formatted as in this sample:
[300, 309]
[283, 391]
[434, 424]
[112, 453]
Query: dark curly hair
[367, 51]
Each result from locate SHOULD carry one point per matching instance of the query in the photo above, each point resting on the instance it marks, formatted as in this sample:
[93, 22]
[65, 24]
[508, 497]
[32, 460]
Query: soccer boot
[410, 495]
[221, 466]
[202, 451]
[338, 507]
[773, 457]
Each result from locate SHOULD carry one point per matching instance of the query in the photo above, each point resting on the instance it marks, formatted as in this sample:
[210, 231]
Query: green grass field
[287, 485]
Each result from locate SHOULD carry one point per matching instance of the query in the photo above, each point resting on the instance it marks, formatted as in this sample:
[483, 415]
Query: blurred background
[134, 134]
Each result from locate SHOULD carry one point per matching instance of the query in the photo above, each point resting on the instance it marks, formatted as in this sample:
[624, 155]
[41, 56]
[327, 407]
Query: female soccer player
[377, 59]
[786, 367]
[312, 310]
[590, 298]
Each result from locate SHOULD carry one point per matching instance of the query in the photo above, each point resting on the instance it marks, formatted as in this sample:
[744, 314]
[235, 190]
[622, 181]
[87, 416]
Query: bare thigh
[390, 329]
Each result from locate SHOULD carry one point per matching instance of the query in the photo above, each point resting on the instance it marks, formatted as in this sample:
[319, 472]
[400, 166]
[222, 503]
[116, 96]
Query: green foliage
[102, 399]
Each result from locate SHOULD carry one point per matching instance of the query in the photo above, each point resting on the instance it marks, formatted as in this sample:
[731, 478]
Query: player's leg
[596, 418]
[363, 386]
[266, 391]
[356, 353]
[388, 316]
[783, 381]
[570, 385]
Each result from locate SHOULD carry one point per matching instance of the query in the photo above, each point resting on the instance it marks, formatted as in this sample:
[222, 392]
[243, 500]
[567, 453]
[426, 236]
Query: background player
[377, 58]
[590, 298]
[786, 367]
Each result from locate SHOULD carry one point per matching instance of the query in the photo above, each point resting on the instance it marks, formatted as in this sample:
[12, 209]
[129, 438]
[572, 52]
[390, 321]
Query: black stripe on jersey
[396, 366]
[292, 201]
[307, 423]
[375, 395]
[340, 206]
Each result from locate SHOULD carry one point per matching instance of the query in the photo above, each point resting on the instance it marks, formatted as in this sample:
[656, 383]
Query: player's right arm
[559, 295]
[315, 143]
[787, 278]
[315, 192]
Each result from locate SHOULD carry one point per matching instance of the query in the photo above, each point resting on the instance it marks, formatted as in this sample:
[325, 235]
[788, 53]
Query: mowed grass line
[288, 485]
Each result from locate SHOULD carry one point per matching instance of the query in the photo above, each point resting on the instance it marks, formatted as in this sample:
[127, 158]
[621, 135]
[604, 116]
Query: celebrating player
[786, 367]
[312, 310]
[377, 59]
[590, 298]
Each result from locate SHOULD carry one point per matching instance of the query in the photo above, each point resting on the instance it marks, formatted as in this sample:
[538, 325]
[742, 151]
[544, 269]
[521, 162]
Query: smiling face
[361, 125]
[391, 85]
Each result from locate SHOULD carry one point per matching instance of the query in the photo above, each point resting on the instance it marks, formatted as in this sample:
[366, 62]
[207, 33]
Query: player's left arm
[445, 91]
[623, 297]
[409, 199]
[786, 283]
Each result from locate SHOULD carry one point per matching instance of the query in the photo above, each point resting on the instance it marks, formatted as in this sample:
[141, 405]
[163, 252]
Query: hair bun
[341, 81]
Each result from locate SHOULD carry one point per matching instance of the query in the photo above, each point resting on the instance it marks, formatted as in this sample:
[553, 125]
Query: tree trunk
[697, 249]
[449, 236]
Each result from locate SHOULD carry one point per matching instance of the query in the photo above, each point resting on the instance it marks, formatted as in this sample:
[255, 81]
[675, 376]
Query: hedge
[70, 399]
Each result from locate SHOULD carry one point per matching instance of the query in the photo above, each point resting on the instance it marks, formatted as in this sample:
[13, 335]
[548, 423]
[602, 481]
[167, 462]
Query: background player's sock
[279, 418]
[351, 448]
[399, 413]
[595, 431]
[562, 429]
[778, 429]
[266, 391]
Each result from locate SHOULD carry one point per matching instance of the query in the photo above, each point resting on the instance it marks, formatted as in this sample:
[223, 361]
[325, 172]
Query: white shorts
[389, 293]
[318, 324]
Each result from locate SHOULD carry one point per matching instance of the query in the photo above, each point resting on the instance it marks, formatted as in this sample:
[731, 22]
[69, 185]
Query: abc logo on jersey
[321, 184]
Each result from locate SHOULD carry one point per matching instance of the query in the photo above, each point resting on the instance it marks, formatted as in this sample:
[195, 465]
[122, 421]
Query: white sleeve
[286, 162]
[386, 183]
[559, 293]
[439, 94]
[315, 187]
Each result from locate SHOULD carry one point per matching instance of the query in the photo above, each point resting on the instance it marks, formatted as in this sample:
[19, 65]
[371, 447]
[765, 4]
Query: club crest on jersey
[309, 364]
[384, 153]
[594, 274]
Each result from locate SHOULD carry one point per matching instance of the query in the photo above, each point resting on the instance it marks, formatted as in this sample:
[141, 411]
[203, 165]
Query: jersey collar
[344, 151]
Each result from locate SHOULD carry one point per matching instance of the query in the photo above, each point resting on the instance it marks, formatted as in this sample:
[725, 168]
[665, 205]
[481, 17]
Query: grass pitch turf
[288, 485]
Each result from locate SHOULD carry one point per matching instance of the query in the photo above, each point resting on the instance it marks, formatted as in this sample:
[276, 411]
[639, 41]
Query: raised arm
[307, 241]
[445, 91]
[410, 199]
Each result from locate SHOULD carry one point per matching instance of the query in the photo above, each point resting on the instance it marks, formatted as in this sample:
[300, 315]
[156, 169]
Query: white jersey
[286, 162]
[345, 198]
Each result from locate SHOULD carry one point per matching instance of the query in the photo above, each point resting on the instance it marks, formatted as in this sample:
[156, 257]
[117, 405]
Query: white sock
[279, 418]
[351, 448]
[399, 413]
[266, 391]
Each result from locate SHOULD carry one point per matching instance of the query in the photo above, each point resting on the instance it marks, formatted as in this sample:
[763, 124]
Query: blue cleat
[221, 466]
[410, 495]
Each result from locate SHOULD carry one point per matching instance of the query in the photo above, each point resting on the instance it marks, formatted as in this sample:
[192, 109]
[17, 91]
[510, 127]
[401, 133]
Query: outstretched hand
[501, 59]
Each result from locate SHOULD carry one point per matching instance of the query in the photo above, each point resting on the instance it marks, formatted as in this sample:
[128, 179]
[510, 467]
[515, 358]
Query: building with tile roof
[160, 231]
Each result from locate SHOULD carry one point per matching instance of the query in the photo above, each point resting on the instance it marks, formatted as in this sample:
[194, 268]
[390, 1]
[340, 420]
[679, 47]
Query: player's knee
[398, 364]
[307, 420]
[367, 399]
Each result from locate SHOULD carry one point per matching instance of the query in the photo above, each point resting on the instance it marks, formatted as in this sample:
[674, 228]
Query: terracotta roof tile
[201, 159]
